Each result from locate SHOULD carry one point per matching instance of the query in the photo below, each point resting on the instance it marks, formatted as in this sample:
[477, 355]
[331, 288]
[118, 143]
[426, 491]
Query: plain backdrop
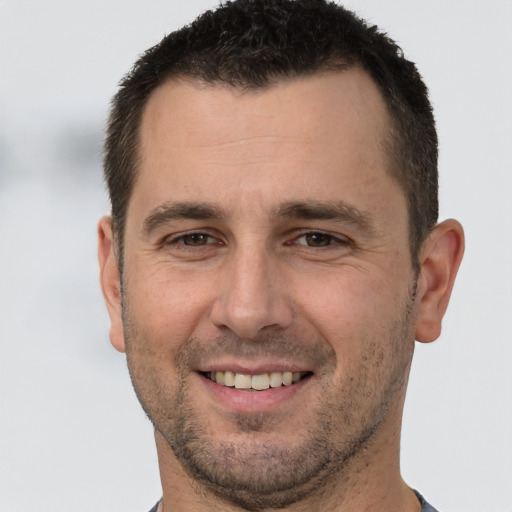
[72, 435]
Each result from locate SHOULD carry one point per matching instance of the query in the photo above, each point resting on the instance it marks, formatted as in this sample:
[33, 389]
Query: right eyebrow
[170, 211]
[337, 211]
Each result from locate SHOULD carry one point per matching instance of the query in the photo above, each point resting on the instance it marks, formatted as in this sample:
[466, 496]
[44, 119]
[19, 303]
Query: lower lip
[240, 400]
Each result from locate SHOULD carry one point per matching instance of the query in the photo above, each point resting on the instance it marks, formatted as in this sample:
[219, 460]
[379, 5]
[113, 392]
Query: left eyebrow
[338, 211]
[170, 211]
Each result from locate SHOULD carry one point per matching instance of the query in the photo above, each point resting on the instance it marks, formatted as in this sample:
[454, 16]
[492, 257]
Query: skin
[265, 233]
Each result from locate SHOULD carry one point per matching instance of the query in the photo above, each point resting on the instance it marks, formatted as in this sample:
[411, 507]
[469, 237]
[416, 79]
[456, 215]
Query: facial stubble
[254, 467]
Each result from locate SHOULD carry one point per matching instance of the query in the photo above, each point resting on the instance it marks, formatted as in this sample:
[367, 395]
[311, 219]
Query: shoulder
[155, 508]
[425, 507]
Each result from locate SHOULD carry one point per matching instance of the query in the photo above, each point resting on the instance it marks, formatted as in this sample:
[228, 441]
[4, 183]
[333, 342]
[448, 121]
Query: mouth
[260, 382]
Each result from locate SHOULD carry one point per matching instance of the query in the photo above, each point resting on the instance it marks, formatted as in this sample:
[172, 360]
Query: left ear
[439, 261]
[110, 281]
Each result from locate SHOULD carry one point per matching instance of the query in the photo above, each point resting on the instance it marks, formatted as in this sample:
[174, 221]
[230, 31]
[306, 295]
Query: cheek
[345, 302]
[168, 305]
[357, 313]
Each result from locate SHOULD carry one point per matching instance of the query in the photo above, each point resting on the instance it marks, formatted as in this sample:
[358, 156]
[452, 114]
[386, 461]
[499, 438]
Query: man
[273, 254]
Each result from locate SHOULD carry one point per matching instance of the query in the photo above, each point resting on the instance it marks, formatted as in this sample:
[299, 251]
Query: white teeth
[260, 382]
[276, 379]
[243, 381]
[257, 382]
[229, 378]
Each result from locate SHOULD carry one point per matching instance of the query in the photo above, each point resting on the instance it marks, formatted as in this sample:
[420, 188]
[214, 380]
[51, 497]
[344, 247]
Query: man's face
[265, 237]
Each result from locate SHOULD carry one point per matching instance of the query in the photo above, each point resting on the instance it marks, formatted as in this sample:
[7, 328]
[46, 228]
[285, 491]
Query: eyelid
[336, 238]
[176, 238]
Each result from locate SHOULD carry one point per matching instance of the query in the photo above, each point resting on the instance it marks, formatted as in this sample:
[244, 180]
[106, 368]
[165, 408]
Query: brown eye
[196, 239]
[320, 239]
[317, 239]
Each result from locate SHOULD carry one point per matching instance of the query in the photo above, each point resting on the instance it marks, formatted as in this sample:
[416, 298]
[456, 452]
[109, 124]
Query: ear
[439, 261]
[110, 281]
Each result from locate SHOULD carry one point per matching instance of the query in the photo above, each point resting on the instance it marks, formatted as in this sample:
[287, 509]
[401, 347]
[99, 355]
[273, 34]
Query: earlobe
[439, 260]
[110, 281]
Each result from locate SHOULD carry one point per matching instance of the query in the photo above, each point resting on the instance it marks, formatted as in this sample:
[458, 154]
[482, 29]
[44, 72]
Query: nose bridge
[251, 295]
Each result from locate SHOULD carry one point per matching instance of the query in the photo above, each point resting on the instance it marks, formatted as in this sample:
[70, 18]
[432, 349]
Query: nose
[252, 295]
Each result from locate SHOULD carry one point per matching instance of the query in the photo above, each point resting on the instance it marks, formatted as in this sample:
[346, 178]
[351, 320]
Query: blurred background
[72, 434]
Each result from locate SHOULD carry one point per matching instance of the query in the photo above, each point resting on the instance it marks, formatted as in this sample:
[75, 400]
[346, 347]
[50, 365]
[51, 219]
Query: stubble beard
[251, 468]
[261, 475]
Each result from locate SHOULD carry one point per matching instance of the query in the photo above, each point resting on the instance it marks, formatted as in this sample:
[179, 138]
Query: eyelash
[330, 240]
[180, 240]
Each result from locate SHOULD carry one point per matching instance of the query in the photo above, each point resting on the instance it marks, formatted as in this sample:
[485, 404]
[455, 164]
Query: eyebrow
[338, 211]
[168, 212]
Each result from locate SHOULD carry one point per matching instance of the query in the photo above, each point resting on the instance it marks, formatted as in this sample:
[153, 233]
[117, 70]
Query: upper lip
[253, 368]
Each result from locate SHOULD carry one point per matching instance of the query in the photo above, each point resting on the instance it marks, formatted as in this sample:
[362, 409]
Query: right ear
[110, 280]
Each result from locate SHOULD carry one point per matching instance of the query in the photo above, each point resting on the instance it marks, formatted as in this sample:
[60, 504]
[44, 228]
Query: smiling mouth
[255, 382]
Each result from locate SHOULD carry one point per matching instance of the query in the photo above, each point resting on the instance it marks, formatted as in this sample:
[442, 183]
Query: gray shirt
[425, 507]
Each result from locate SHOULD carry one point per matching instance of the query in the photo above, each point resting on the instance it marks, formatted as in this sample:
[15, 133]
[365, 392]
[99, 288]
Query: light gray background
[72, 435]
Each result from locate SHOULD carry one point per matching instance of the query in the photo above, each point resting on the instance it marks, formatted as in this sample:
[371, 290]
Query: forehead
[325, 102]
[296, 138]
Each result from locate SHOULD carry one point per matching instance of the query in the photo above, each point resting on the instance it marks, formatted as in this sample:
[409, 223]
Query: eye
[190, 240]
[319, 239]
[196, 239]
